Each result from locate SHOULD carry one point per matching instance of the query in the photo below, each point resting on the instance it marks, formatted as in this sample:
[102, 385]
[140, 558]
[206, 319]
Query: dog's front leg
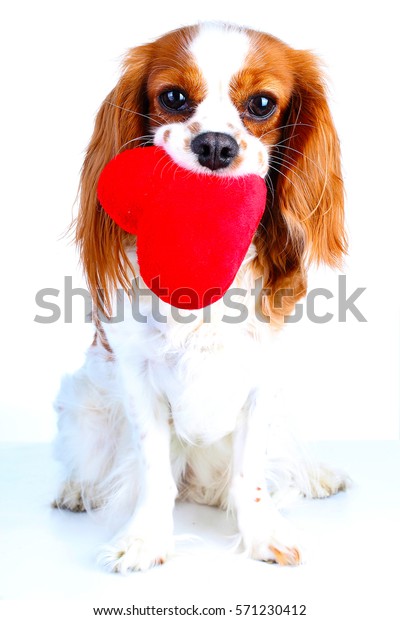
[266, 534]
[147, 537]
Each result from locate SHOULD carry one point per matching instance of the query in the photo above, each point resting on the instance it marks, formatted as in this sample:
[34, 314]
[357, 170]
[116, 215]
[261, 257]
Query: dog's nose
[214, 150]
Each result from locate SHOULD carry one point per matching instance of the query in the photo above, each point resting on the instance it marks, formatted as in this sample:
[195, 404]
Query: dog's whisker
[148, 140]
[291, 137]
[298, 172]
[285, 176]
[282, 127]
[151, 117]
[302, 155]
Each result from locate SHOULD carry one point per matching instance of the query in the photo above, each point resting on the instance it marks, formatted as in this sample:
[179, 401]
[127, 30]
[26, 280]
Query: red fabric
[193, 230]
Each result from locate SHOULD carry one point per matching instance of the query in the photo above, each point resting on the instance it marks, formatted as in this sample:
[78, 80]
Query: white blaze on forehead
[220, 52]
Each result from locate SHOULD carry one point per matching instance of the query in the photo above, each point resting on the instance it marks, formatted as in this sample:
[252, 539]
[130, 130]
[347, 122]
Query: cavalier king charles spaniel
[169, 409]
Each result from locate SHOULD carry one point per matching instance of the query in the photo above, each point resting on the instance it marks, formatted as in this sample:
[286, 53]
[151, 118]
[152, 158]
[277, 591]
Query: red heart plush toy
[193, 230]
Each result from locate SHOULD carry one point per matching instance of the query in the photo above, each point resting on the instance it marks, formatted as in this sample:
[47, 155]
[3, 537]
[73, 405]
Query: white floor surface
[352, 570]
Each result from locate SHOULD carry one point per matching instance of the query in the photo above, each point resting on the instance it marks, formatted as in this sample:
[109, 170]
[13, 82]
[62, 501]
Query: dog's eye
[261, 106]
[174, 100]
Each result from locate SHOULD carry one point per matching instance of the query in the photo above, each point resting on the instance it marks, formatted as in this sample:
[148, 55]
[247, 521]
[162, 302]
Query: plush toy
[193, 230]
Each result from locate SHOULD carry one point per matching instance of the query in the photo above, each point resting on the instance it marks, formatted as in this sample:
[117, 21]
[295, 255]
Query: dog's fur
[161, 410]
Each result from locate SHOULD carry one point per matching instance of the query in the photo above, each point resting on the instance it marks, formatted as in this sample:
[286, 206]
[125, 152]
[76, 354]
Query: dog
[167, 410]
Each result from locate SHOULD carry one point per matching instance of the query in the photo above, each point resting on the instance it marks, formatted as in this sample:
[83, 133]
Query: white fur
[181, 408]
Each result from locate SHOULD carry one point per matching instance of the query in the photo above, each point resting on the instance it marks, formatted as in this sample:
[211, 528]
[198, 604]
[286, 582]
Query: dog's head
[226, 101]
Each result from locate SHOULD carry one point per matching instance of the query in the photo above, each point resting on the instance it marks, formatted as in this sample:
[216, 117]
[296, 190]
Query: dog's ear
[304, 219]
[121, 123]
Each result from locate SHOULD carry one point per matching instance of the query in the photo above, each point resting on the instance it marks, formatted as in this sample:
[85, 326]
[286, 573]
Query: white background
[59, 60]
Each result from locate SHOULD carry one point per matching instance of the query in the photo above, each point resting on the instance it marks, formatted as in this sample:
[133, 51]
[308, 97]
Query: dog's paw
[70, 497]
[135, 552]
[280, 546]
[74, 497]
[276, 552]
[325, 481]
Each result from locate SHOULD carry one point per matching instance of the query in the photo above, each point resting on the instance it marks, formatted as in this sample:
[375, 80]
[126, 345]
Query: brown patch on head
[173, 67]
[166, 135]
[303, 221]
[266, 72]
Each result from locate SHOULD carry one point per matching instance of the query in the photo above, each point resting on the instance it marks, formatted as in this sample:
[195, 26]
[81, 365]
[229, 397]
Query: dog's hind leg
[90, 416]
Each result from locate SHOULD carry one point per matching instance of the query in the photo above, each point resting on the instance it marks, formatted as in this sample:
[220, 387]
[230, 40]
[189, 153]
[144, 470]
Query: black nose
[215, 150]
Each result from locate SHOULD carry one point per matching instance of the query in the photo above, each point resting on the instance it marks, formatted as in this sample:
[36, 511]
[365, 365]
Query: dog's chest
[206, 371]
[208, 383]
